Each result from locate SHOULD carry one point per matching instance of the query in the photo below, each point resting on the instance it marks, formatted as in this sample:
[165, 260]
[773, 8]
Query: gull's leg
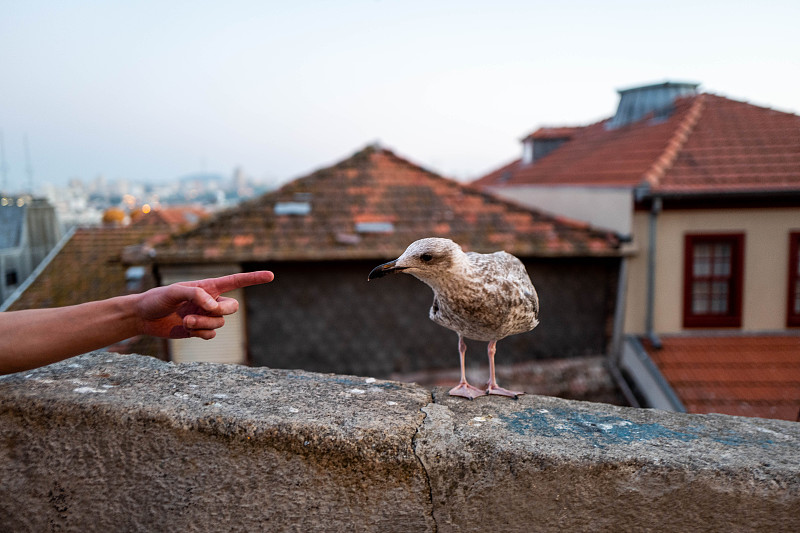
[464, 389]
[493, 388]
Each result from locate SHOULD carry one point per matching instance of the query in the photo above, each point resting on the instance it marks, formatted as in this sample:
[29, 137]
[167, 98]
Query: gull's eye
[426, 257]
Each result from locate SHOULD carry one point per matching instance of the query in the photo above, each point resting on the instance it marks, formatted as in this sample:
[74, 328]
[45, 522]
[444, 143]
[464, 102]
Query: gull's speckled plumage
[484, 297]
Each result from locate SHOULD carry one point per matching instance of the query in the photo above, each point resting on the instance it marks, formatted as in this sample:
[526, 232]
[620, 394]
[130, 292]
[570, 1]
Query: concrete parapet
[546, 464]
[105, 442]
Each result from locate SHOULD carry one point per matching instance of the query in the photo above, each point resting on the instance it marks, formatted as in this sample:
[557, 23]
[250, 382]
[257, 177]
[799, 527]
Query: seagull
[484, 297]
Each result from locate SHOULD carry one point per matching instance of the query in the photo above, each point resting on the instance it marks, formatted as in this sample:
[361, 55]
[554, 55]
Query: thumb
[198, 296]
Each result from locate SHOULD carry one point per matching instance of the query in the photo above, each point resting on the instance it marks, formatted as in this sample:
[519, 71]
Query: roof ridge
[667, 158]
[469, 188]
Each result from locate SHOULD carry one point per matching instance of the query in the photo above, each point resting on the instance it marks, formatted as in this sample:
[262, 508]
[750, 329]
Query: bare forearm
[39, 337]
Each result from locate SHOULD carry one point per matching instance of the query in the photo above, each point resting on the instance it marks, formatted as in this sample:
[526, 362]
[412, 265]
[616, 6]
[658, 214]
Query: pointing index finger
[243, 279]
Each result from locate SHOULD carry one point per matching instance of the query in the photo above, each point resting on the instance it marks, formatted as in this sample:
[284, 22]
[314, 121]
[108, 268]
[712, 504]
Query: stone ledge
[105, 442]
[547, 464]
[111, 442]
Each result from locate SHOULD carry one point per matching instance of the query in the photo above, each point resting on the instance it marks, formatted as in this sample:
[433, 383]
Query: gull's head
[425, 259]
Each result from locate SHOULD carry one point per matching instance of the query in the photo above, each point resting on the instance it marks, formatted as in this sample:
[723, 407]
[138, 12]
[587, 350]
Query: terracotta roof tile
[372, 205]
[709, 144]
[740, 375]
[174, 216]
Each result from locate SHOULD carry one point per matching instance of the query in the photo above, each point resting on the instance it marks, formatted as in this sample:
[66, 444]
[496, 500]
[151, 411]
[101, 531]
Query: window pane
[722, 268]
[702, 260]
[700, 295]
[722, 260]
[722, 250]
[719, 298]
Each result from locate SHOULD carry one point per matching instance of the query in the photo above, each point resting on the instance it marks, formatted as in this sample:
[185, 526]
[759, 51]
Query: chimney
[649, 100]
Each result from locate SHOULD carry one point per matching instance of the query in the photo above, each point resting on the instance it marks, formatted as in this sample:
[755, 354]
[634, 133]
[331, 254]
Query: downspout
[655, 209]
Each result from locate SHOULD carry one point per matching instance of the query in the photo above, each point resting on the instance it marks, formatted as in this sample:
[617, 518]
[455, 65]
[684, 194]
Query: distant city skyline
[151, 91]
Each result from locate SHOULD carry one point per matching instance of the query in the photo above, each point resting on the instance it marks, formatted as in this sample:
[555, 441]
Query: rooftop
[703, 143]
[744, 375]
[371, 206]
[178, 217]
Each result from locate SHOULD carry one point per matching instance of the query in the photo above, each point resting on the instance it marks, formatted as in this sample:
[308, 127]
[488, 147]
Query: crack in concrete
[414, 440]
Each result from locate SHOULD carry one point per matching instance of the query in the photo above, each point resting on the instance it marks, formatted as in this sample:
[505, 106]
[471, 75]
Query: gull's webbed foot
[500, 391]
[465, 390]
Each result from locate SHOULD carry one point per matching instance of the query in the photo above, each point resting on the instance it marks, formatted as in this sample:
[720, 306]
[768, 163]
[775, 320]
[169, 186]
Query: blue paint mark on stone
[606, 430]
[731, 438]
[600, 430]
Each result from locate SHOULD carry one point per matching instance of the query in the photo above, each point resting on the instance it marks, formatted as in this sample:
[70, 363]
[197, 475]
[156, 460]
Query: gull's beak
[386, 268]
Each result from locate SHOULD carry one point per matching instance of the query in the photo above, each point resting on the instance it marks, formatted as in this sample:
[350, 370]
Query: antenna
[3, 165]
[28, 167]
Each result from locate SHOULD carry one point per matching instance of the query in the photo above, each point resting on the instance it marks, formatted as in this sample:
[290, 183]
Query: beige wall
[229, 344]
[766, 256]
[603, 207]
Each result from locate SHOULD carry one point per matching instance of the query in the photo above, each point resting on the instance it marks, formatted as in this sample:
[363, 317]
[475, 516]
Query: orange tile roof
[708, 144]
[735, 146]
[743, 375]
[179, 217]
[372, 205]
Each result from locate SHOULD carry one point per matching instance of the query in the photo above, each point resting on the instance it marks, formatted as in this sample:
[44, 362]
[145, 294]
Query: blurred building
[707, 192]
[29, 229]
[323, 233]
[87, 264]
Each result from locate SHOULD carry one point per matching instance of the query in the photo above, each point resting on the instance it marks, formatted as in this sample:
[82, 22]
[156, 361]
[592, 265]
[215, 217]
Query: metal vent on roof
[347, 238]
[292, 208]
[638, 102]
[375, 227]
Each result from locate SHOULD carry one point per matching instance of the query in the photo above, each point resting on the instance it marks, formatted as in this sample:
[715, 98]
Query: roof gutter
[654, 388]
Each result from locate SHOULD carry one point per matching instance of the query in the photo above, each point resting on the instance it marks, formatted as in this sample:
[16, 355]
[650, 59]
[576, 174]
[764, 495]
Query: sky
[153, 90]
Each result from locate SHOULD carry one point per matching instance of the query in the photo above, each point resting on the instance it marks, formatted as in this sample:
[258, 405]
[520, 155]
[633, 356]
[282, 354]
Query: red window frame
[712, 297]
[793, 294]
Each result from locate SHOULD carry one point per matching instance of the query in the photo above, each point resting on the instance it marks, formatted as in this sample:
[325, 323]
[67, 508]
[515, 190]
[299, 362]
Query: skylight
[293, 208]
[375, 227]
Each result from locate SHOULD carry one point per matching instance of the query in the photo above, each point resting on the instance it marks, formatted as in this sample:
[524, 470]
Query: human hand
[192, 308]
